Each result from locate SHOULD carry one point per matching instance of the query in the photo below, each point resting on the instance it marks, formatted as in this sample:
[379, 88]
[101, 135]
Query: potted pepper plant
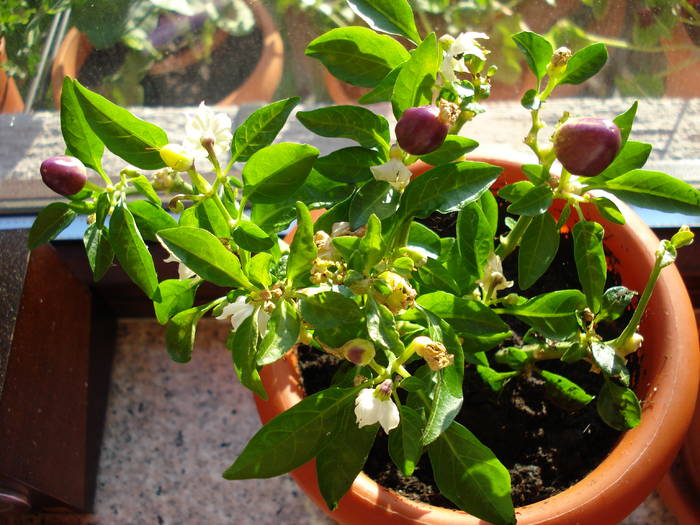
[414, 326]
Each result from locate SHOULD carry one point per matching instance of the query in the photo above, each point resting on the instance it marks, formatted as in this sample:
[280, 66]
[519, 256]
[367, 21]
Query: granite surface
[172, 429]
[671, 125]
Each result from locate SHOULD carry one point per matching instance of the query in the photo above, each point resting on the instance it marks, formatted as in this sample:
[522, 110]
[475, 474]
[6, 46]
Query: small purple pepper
[586, 146]
[63, 174]
[423, 129]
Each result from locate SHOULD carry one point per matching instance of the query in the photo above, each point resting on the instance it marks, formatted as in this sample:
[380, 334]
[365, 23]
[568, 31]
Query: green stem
[512, 240]
[633, 324]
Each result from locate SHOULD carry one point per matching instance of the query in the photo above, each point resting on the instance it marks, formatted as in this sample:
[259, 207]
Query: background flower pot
[10, 99]
[667, 386]
[258, 87]
[683, 65]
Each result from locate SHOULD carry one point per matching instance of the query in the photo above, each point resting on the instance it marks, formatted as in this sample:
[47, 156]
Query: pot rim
[668, 379]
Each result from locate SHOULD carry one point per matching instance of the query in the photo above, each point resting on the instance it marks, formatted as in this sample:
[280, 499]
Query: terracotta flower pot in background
[260, 86]
[667, 387]
[10, 99]
[683, 64]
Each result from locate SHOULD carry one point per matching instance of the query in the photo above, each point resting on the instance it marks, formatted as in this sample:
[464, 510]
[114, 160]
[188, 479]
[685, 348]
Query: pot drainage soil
[545, 447]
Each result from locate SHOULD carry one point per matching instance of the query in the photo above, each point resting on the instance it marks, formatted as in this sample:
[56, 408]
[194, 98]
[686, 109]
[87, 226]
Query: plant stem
[511, 241]
[633, 324]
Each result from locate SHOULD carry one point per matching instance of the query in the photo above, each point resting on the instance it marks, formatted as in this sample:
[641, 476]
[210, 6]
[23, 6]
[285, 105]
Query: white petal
[394, 172]
[388, 415]
[366, 408]
[184, 272]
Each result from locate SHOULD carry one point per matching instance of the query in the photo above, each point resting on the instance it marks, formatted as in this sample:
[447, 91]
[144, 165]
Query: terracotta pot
[668, 384]
[260, 86]
[10, 99]
[684, 64]
[680, 487]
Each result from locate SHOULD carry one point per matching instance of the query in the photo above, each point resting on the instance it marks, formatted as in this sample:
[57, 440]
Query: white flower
[240, 310]
[464, 44]
[205, 126]
[493, 278]
[370, 409]
[183, 272]
[394, 172]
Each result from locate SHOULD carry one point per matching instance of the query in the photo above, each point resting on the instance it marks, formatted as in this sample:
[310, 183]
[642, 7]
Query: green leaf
[144, 187]
[351, 122]
[134, 140]
[293, 437]
[475, 234]
[180, 333]
[584, 64]
[303, 249]
[381, 327]
[258, 269]
[204, 254]
[276, 171]
[494, 380]
[470, 475]
[538, 248]
[341, 459]
[424, 239]
[132, 252]
[516, 191]
[349, 164]
[405, 448]
[357, 55]
[534, 173]
[376, 197]
[553, 314]
[615, 301]
[243, 344]
[176, 295]
[447, 188]
[653, 189]
[618, 406]
[77, 133]
[98, 250]
[389, 16]
[609, 210]
[625, 121]
[150, 218]
[261, 128]
[452, 149]
[590, 261]
[337, 213]
[414, 83]
[328, 310]
[251, 237]
[370, 249]
[51, 221]
[444, 407]
[436, 277]
[535, 202]
[563, 392]
[480, 327]
[282, 334]
[531, 100]
[207, 215]
[383, 91]
[632, 156]
[514, 358]
[537, 50]
[609, 362]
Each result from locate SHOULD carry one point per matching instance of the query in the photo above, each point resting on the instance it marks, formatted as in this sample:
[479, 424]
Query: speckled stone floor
[172, 429]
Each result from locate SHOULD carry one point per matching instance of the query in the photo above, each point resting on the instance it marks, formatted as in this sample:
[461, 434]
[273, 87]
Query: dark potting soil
[545, 447]
[209, 80]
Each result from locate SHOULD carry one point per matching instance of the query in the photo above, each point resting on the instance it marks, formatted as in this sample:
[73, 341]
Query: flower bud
[631, 345]
[683, 237]
[561, 57]
[418, 257]
[384, 389]
[64, 174]
[358, 351]
[176, 157]
[401, 295]
[434, 353]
